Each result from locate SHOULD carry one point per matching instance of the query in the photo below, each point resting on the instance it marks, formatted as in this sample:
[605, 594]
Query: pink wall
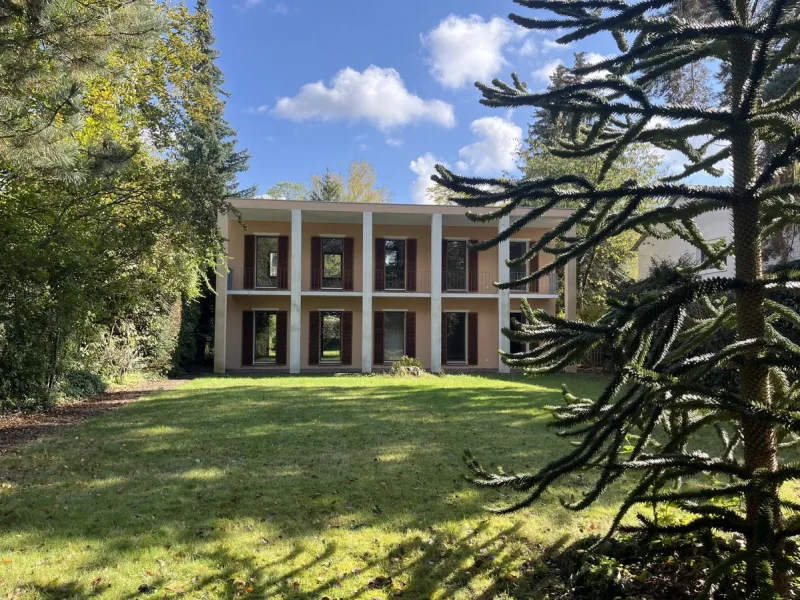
[238, 304]
[331, 303]
[353, 230]
[488, 327]
[422, 308]
[236, 235]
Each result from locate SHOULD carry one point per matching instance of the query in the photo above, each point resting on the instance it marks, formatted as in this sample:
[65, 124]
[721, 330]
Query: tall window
[265, 342]
[266, 261]
[456, 261]
[517, 272]
[517, 347]
[395, 265]
[456, 337]
[331, 338]
[332, 262]
[394, 335]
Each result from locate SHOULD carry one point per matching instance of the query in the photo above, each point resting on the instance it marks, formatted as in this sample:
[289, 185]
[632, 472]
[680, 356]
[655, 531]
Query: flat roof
[388, 207]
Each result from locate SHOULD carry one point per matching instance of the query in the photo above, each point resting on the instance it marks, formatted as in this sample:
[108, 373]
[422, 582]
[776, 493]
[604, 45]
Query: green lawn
[301, 487]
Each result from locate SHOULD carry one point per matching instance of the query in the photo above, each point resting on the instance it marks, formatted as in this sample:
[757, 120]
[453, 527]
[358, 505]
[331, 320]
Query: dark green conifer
[655, 419]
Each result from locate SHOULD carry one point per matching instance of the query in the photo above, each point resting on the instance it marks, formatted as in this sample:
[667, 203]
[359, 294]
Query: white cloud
[423, 167]
[466, 49]
[546, 71]
[528, 48]
[378, 96]
[252, 3]
[554, 46]
[496, 147]
[280, 8]
[364, 147]
[394, 142]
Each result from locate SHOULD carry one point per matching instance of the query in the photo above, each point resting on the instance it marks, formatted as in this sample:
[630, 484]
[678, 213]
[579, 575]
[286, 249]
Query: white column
[504, 296]
[571, 295]
[221, 302]
[366, 296]
[296, 297]
[436, 293]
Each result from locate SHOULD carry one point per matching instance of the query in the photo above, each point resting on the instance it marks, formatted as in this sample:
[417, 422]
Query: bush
[81, 384]
[405, 362]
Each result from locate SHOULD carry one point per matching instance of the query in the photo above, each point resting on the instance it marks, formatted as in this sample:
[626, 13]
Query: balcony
[402, 281]
[482, 282]
[547, 285]
[253, 278]
[343, 280]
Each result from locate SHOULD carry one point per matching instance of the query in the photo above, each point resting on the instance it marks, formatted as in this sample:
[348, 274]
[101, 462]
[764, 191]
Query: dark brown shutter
[249, 275]
[316, 264]
[347, 337]
[283, 262]
[247, 338]
[347, 260]
[313, 337]
[472, 338]
[377, 328]
[380, 265]
[444, 266]
[411, 265]
[473, 267]
[533, 266]
[411, 334]
[444, 338]
[281, 331]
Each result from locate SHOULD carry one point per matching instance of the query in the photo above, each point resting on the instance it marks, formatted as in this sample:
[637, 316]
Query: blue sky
[317, 84]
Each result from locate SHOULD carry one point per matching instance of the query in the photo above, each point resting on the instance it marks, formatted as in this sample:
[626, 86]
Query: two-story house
[311, 286]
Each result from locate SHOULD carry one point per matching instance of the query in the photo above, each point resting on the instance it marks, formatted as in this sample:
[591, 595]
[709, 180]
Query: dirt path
[18, 428]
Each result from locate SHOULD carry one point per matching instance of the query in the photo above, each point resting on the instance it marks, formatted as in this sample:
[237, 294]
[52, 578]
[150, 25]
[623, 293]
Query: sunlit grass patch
[298, 487]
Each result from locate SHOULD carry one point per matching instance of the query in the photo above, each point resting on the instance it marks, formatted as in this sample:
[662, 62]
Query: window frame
[526, 265]
[701, 258]
[464, 362]
[269, 311]
[269, 276]
[322, 359]
[324, 239]
[403, 331]
[464, 241]
[405, 264]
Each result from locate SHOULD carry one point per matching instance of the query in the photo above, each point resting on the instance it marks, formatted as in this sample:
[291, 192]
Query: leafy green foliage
[82, 384]
[653, 422]
[107, 214]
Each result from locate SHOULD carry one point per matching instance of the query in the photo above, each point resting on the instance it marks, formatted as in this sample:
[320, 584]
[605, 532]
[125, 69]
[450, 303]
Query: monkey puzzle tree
[652, 420]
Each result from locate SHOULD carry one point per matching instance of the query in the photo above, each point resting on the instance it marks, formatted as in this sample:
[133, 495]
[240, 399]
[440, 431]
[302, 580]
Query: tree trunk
[760, 440]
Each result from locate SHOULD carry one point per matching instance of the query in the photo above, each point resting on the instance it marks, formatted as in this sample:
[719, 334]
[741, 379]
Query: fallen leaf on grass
[6, 560]
[380, 583]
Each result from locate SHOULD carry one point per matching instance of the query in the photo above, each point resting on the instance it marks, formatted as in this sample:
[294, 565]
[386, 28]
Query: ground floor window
[517, 347]
[456, 337]
[265, 338]
[394, 335]
[331, 338]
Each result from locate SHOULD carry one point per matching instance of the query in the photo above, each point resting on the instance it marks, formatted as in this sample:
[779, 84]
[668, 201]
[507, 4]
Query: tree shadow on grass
[196, 467]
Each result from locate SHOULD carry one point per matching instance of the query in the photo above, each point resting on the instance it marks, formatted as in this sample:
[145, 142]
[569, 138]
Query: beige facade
[281, 306]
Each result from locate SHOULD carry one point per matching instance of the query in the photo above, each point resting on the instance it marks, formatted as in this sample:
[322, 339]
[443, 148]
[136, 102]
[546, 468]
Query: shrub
[81, 384]
[401, 365]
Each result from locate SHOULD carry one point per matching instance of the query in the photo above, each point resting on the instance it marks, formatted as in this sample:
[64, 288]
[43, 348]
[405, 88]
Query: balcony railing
[544, 285]
[253, 278]
[344, 280]
[483, 283]
[401, 281]
[240, 278]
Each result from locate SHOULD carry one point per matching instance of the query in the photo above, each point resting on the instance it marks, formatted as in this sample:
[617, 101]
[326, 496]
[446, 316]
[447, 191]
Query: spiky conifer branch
[665, 336]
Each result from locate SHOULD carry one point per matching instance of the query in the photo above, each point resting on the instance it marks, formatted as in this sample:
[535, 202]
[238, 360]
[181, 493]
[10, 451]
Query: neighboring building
[319, 286]
[714, 226]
